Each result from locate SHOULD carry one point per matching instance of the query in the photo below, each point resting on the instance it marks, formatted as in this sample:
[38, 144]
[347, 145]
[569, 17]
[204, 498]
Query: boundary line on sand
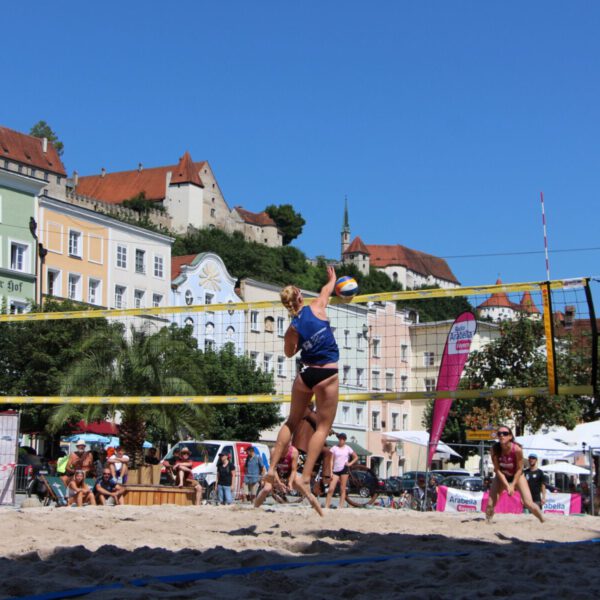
[204, 575]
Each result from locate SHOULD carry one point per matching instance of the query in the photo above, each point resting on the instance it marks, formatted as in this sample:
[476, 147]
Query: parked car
[450, 472]
[462, 482]
[364, 483]
[409, 480]
[393, 485]
[205, 455]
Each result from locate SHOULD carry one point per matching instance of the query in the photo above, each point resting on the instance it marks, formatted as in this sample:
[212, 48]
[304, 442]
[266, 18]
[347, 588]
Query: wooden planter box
[149, 495]
[145, 475]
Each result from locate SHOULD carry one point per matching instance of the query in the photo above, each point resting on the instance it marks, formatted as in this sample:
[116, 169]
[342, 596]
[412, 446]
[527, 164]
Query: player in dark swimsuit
[507, 457]
[310, 333]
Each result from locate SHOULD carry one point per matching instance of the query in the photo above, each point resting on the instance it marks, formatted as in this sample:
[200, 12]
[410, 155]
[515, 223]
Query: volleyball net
[390, 348]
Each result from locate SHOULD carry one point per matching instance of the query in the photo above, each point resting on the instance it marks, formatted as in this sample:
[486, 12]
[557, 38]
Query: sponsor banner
[452, 364]
[562, 504]
[451, 500]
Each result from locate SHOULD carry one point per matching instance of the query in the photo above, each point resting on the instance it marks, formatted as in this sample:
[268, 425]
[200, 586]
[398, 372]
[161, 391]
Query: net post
[594, 329]
[549, 331]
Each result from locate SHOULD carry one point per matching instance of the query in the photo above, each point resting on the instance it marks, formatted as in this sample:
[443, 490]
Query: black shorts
[311, 376]
[344, 471]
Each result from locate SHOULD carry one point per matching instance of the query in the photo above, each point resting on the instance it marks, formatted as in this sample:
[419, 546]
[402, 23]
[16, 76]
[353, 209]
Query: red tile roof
[116, 187]
[177, 262]
[261, 218]
[528, 305]
[500, 300]
[415, 260]
[186, 172]
[28, 150]
[357, 245]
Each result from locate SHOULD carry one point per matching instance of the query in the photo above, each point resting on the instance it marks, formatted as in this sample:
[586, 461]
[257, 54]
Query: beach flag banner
[9, 444]
[562, 504]
[456, 353]
[453, 500]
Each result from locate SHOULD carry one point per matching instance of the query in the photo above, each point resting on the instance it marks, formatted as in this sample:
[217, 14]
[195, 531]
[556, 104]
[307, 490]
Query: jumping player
[310, 333]
[507, 457]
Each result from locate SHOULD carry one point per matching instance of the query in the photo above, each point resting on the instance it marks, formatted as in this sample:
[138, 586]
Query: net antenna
[545, 237]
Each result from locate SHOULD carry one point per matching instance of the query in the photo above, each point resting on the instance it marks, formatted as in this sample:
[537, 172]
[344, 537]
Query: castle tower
[345, 229]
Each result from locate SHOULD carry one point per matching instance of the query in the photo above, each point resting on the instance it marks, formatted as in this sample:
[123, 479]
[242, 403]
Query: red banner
[456, 352]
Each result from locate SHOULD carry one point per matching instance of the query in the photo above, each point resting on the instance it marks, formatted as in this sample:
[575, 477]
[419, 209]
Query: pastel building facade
[203, 279]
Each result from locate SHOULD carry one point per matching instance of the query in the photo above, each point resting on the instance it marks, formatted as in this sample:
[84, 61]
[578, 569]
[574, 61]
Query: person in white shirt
[118, 465]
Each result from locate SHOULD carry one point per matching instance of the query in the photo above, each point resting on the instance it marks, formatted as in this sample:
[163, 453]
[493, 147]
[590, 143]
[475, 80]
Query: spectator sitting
[80, 460]
[107, 487]
[79, 492]
[169, 464]
[152, 458]
[118, 465]
[183, 472]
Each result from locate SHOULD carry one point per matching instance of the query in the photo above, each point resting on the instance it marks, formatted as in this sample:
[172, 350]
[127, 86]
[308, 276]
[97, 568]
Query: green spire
[346, 222]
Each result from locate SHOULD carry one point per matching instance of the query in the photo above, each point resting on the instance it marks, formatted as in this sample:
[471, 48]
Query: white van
[205, 455]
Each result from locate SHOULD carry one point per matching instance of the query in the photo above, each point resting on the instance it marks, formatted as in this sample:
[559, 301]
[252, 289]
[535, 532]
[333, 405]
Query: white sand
[48, 549]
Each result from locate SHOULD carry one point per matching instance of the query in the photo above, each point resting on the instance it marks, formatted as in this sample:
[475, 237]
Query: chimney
[75, 179]
[44, 145]
[102, 172]
[140, 167]
[569, 316]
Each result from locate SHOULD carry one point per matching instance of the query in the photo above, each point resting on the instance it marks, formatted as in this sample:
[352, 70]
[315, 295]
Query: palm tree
[160, 364]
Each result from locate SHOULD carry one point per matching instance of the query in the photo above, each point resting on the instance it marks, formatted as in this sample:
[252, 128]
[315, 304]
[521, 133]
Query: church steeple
[345, 228]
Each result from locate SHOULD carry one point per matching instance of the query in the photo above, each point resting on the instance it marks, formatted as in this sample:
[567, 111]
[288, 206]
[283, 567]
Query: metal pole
[592, 494]
[481, 451]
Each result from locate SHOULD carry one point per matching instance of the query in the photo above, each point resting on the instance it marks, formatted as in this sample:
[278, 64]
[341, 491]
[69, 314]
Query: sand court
[288, 551]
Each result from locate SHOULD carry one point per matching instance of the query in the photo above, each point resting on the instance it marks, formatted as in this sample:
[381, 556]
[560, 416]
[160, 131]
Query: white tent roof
[586, 433]
[545, 446]
[421, 438]
[563, 467]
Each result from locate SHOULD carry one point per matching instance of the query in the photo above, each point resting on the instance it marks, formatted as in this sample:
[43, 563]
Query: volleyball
[346, 287]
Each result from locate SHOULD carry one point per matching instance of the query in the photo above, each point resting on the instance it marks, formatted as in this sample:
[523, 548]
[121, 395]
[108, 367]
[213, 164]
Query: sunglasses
[503, 433]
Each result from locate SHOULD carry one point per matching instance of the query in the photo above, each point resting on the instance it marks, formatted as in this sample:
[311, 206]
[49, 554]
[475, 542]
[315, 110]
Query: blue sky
[440, 121]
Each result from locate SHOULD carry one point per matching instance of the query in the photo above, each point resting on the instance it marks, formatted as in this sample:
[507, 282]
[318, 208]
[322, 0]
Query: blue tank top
[316, 338]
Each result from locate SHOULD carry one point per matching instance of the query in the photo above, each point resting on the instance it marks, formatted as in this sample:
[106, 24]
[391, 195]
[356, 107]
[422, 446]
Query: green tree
[437, 309]
[289, 222]
[517, 359]
[42, 130]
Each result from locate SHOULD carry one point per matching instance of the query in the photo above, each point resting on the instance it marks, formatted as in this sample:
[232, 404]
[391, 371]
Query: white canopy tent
[564, 467]
[545, 446]
[586, 433]
[420, 438]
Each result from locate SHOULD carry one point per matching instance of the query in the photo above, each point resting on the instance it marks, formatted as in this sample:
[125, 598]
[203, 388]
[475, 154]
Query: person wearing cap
[536, 480]
[185, 477]
[343, 458]
[80, 460]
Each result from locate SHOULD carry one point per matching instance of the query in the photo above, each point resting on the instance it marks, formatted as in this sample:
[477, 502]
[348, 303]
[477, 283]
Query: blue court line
[207, 575]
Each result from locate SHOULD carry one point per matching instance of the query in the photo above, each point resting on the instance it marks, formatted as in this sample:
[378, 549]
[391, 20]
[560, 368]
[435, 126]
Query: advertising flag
[456, 352]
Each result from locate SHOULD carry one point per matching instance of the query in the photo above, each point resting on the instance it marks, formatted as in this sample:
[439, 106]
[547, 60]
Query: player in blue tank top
[310, 334]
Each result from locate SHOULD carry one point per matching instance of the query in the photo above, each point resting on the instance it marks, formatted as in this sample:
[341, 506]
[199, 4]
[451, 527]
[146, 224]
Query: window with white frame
[74, 288]
[395, 421]
[360, 377]
[346, 338]
[280, 326]
[389, 382]
[189, 322]
[122, 257]
[405, 422]
[376, 344]
[376, 379]
[404, 352]
[359, 415]
[94, 291]
[19, 257]
[209, 345]
[345, 414]
[269, 324]
[281, 366]
[404, 383]
[159, 266]
[120, 296]
[230, 333]
[140, 261]
[254, 358]
[268, 363]
[428, 359]
[254, 320]
[138, 298]
[346, 374]
[75, 243]
[53, 282]
[430, 384]
[189, 297]
[359, 341]
[375, 420]
[208, 298]
[157, 300]
[17, 307]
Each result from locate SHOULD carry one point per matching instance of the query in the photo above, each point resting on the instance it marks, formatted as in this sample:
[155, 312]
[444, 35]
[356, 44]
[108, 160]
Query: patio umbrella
[421, 438]
[114, 442]
[88, 438]
[567, 468]
[545, 446]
